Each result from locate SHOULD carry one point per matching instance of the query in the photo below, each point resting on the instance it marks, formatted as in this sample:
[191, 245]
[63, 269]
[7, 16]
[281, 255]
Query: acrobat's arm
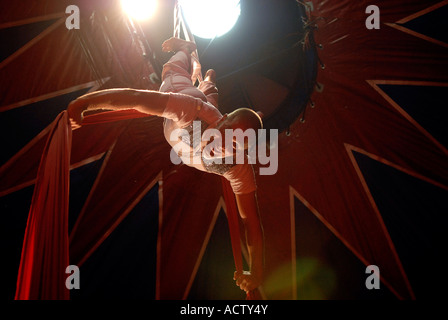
[182, 108]
[248, 208]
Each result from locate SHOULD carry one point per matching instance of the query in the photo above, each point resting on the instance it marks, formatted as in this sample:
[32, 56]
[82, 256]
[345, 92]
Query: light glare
[139, 9]
[210, 18]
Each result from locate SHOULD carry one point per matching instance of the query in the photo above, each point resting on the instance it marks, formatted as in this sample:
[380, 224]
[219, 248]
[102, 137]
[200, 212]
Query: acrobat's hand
[246, 281]
[75, 110]
[208, 112]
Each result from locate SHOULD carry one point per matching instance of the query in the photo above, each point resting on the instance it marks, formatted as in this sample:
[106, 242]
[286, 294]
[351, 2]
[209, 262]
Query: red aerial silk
[45, 251]
[45, 246]
[232, 218]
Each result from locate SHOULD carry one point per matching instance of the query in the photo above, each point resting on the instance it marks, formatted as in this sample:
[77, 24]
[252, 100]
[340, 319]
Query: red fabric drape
[232, 218]
[45, 251]
[45, 246]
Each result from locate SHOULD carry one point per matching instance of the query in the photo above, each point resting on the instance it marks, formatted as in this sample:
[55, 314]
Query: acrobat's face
[222, 142]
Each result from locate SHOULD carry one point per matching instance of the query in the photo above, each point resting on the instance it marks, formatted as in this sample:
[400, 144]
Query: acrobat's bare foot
[176, 44]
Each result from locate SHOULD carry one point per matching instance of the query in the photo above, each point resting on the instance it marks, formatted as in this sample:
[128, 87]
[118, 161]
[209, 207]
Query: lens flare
[139, 9]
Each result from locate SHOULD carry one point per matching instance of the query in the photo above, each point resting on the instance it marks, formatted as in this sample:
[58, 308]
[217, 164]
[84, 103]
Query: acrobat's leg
[208, 87]
[176, 73]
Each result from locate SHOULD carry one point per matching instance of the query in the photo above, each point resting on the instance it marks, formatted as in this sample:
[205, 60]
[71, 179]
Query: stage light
[210, 18]
[139, 9]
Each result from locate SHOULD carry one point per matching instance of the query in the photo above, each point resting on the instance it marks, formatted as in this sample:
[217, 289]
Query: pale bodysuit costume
[176, 78]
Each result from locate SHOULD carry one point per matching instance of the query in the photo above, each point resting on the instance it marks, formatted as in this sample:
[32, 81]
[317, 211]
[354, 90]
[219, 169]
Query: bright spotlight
[210, 18]
[139, 9]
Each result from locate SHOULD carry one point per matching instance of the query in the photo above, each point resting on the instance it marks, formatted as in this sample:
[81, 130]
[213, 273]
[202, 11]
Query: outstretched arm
[145, 101]
[248, 208]
[175, 106]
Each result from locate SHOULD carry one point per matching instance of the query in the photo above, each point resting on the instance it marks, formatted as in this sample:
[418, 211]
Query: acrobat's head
[244, 119]
[238, 131]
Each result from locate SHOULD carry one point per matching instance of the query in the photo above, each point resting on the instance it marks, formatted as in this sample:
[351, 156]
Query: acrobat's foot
[176, 44]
